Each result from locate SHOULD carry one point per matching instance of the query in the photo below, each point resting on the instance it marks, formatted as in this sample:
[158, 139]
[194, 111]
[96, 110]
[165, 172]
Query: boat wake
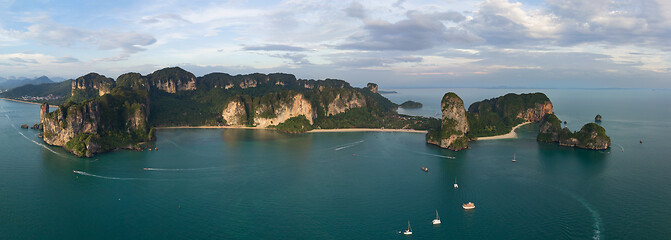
[619, 146]
[177, 169]
[435, 155]
[41, 145]
[341, 147]
[104, 177]
[595, 215]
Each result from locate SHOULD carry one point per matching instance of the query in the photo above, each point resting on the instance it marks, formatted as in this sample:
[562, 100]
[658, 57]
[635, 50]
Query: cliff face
[591, 135]
[535, 113]
[454, 125]
[344, 101]
[172, 80]
[63, 124]
[297, 106]
[235, 113]
[92, 85]
[372, 87]
[112, 121]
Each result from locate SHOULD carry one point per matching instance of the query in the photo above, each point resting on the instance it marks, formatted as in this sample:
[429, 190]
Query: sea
[263, 184]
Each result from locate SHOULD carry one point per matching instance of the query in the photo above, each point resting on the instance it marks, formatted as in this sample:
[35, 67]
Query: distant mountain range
[10, 83]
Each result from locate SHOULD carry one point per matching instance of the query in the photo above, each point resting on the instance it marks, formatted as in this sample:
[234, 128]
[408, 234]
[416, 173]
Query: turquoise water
[258, 184]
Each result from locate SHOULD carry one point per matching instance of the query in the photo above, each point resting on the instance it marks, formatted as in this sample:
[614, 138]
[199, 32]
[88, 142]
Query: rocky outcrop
[66, 122]
[597, 118]
[372, 87]
[172, 80]
[92, 85]
[296, 106]
[454, 125]
[591, 135]
[235, 113]
[345, 100]
[535, 113]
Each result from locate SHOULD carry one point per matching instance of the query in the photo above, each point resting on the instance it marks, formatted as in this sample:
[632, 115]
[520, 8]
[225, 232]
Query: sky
[399, 43]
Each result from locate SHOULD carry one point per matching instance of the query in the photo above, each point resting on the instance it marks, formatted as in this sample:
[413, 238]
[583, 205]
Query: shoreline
[311, 131]
[511, 134]
[22, 101]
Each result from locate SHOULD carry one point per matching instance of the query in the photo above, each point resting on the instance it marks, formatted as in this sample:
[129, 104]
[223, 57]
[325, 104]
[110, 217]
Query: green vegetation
[77, 145]
[498, 116]
[554, 127]
[89, 86]
[298, 124]
[584, 136]
[410, 104]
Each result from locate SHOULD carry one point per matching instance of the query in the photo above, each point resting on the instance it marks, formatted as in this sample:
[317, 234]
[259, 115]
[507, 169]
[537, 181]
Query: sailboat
[455, 183]
[437, 220]
[514, 158]
[409, 231]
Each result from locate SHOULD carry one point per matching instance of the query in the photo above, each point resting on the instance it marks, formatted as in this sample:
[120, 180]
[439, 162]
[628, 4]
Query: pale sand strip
[366, 130]
[511, 134]
[311, 131]
[231, 127]
[21, 101]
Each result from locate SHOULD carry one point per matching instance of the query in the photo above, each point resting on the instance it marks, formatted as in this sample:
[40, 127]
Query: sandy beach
[21, 101]
[232, 127]
[365, 130]
[311, 131]
[511, 134]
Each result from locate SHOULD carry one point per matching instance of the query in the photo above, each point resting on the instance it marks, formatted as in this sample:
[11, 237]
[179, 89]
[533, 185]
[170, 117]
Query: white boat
[409, 231]
[468, 205]
[437, 220]
[455, 183]
[514, 158]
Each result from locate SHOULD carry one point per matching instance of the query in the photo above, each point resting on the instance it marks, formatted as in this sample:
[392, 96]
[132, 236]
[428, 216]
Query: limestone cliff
[454, 125]
[172, 80]
[67, 122]
[91, 85]
[591, 135]
[112, 121]
[271, 114]
[235, 113]
[372, 87]
[343, 101]
[536, 112]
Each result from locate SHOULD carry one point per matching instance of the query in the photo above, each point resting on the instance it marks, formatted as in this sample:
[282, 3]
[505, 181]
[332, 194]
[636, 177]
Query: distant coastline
[311, 131]
[21, 101]
[511, 134]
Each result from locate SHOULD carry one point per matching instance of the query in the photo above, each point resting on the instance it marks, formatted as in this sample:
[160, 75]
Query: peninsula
[102, 114]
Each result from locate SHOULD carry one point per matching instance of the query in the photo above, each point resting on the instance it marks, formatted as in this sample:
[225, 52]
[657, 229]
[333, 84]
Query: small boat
[514, 158]
[409, 231]
[425, 169]
[468, 205]
[455, 183]
[437, 220]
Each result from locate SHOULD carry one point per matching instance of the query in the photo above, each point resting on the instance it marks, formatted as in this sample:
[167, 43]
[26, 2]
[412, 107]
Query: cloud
[355, 10]
[417, 32]
[66, 60]
[44, 30]
[295, 58]
[21, 60]
[274, 47]
[170, 17]
[349, 61]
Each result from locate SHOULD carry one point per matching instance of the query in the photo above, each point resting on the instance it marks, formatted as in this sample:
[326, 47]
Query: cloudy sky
[399, 43]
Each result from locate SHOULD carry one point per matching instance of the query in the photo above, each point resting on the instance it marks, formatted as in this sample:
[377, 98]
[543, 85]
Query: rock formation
[91, 85]
[296, 106]
[454, 125]
[235, 113]
[344, 101]
[172, 80]
[372, 87]
[597, 118]
[591, 135]
[66, 122]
